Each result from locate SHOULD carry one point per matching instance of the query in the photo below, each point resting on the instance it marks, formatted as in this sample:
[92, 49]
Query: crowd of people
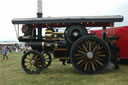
[5, 49]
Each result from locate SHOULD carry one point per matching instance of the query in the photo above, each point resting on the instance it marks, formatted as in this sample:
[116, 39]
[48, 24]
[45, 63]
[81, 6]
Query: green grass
[11, 73]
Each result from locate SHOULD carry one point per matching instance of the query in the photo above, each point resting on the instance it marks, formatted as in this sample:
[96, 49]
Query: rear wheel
[90, 55]
[33, 62]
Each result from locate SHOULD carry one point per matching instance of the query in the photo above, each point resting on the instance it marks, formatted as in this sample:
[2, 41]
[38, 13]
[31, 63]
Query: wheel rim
[90, 55]
[48, 59]
[32, 62]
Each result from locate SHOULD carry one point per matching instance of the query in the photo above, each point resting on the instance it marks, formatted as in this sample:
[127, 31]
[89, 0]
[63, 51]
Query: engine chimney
[39, 9]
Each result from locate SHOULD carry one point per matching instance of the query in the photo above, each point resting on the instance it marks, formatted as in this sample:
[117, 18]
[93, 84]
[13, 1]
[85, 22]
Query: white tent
[8, 42]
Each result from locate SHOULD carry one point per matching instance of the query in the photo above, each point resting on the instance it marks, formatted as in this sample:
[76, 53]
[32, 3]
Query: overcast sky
[10, 9]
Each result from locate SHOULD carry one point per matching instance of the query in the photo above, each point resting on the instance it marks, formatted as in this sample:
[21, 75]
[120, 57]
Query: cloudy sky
[10, 9]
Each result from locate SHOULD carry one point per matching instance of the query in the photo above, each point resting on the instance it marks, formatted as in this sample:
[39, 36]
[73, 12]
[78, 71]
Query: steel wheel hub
[90, 55]
[75, 34]
[32, 62]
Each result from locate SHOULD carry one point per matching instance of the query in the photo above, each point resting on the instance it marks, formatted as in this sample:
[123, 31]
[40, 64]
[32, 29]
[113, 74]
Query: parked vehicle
[122, 42]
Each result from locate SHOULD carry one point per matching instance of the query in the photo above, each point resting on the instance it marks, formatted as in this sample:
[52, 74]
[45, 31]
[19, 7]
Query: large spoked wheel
[33, 62]
[48, 59]
[90, 55]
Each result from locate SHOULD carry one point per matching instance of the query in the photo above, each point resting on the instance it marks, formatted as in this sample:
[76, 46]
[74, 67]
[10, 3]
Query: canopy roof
[76, 19]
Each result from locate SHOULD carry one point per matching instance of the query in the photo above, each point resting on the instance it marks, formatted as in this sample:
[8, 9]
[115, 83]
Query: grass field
[11, 73]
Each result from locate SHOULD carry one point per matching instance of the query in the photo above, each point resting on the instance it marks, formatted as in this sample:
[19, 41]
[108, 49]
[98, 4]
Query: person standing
[17, 50]
[5, 54]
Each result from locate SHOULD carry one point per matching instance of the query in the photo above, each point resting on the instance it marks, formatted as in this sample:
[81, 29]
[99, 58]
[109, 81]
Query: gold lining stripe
[57, 38]
[26, 37]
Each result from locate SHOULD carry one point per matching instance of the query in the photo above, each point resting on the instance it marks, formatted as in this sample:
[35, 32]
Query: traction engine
[88, 53]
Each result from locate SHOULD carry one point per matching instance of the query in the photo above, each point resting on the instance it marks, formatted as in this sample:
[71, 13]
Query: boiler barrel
[35, 45]
[48, 45]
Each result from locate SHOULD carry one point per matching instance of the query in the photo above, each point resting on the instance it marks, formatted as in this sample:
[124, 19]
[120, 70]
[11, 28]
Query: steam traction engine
[87, 53]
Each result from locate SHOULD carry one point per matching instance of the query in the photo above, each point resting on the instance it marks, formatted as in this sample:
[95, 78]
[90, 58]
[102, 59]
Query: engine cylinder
[50, 46]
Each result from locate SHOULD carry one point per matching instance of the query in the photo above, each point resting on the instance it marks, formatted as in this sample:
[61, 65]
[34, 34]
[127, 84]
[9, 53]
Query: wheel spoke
[81, 52]
[28, 64]
[36, 56]
[78, 54]
[90, 47]
[38, 59]
[46, 58]
[100, 47]
[85, 68]
[93, 44]
[33, 56]
[94, 49]
[86, 44]
[99, 52]
[36, 68]
[27, 61]
[30, 56]
[83, 63]
[45, 55]
[95, 63]
[101, 55]
[84, 47]
[79, 61]
[30, 67]
[93, 67]
[98, 62]
[99, 58]
[79, 57]
[79, 47]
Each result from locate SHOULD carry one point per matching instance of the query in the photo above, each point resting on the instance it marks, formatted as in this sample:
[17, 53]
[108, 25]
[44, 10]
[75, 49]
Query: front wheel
[33, 62]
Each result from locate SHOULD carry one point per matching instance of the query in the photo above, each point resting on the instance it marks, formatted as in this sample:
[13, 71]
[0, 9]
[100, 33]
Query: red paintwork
[122, 42]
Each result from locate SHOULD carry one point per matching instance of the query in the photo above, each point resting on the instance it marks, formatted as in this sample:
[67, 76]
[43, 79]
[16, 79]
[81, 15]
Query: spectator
[16, 50]
[5, 54]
